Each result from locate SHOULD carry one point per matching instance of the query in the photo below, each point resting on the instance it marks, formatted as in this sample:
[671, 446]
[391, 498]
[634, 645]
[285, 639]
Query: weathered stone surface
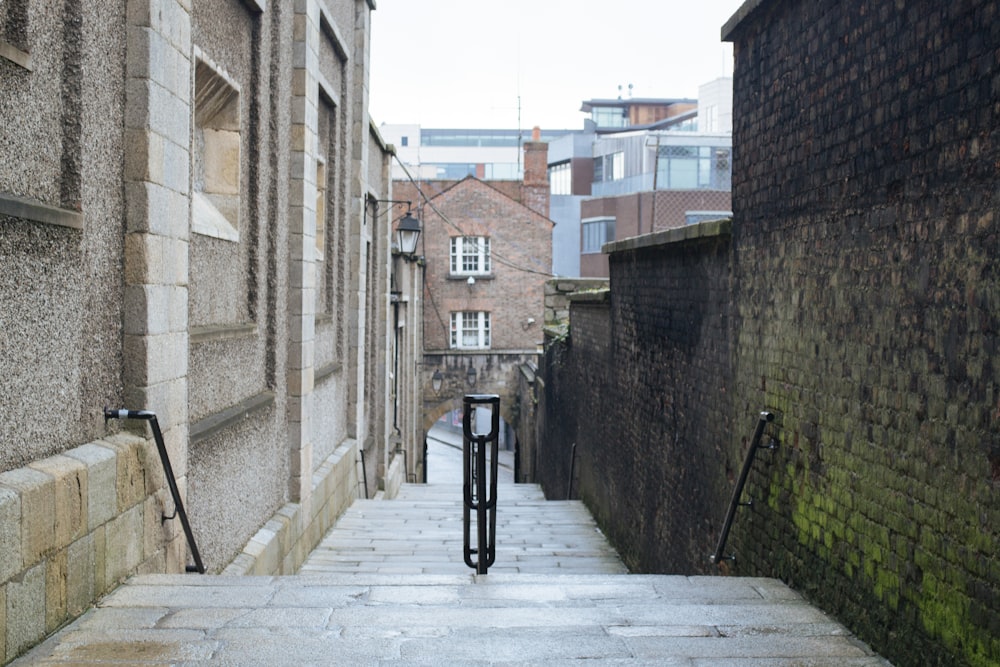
[102, 491]
[70, 487]
[25, 610]
[38, 511]
[367, 607]
[10, 534]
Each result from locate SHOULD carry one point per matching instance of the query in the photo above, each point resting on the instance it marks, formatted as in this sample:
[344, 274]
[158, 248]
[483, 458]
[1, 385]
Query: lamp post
[436, 381]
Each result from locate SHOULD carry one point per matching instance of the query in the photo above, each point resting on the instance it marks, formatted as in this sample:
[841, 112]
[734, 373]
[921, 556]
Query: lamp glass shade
[408, 232]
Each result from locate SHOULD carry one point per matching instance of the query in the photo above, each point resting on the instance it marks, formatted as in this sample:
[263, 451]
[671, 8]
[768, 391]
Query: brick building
[488, 252]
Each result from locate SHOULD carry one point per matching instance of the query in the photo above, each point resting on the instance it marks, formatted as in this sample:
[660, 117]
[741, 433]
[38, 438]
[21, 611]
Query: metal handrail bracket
[734, 502]
[168, 471]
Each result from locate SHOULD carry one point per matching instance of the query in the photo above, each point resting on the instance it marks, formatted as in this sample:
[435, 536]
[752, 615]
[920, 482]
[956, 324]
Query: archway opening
[444, 450]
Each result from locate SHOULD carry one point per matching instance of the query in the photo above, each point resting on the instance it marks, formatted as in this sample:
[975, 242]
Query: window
[470, 255]
[694, 217]
[216, 153]
[597, 232]
[470, 330]
[404, 141]
[609, 167]
[320, 208]
[693, 168]
[712, 118]
[609, 117]
[560, 179]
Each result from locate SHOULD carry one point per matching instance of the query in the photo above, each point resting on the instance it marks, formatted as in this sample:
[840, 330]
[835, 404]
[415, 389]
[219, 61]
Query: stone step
[388, 585]
[478, 620]
[421, 532]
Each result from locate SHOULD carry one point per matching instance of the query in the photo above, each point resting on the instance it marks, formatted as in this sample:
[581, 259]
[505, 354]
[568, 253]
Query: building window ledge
[28, 209]
[209, 221]
[209, 426]
[15, 55]
[462, 277]
[220, 332]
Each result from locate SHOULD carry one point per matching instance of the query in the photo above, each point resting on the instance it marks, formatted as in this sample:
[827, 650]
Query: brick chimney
[535, 190]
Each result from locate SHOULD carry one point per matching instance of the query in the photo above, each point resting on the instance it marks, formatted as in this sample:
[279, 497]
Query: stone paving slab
[491, 619]
[389, 586]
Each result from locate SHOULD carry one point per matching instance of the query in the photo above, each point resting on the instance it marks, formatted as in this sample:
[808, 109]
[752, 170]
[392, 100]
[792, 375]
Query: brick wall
[861, 309]
[641, 388]
[868, 316]
[518, 237]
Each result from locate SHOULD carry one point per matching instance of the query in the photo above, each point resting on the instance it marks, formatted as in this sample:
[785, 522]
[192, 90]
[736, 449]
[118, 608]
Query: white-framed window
[560, 179]
[470, 255]
[596, 232]
[470, 330]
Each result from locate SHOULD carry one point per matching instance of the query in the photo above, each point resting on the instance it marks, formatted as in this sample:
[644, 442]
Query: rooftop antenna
[520, 142]
[519, 137]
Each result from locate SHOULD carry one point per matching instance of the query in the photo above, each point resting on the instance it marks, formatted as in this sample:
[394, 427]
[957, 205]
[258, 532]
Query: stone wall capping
[590, 296]
[702, 230]
[736, 20]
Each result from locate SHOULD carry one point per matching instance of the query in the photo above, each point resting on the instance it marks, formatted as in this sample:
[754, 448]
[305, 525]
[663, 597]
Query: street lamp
[436, 380]
[470, 376]
[408, 231]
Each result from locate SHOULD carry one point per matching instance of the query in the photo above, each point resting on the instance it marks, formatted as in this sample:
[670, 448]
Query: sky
[522, 63]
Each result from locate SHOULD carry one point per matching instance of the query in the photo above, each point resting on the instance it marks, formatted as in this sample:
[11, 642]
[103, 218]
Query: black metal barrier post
[168, 471]
[474, 486]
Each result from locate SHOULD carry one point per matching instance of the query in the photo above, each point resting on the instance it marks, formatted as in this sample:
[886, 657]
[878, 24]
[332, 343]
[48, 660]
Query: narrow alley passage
[388, 585]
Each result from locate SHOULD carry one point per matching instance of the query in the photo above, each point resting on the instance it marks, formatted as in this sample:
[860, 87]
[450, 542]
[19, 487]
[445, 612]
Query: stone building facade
[187, 227]
[854, 296]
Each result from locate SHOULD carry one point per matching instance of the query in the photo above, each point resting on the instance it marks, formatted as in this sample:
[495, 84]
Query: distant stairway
[420, 532]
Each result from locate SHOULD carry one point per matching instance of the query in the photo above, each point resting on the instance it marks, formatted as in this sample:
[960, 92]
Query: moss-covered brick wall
[858, 298]
[867, 288]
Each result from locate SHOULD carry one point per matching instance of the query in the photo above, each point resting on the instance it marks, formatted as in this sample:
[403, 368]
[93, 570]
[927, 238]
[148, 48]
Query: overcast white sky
[464, 63]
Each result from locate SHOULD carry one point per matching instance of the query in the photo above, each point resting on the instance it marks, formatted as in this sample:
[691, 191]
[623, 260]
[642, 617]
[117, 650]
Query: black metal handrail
[168, 471]
[474, 488]
[364, 471]
[734, 502]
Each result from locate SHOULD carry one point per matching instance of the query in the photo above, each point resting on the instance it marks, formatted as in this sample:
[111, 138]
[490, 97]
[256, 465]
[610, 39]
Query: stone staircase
[388, 586]
[420, 532]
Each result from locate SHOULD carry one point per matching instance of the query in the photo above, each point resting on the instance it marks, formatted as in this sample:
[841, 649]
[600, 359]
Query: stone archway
[496, 373]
